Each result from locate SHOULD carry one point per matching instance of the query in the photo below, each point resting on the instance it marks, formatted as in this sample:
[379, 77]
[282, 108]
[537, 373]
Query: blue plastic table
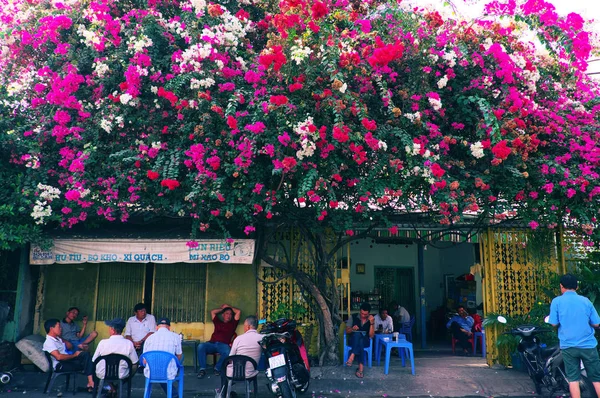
[402, 345]
[379, 338]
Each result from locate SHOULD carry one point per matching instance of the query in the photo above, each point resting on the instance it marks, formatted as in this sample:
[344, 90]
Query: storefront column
[421, 270]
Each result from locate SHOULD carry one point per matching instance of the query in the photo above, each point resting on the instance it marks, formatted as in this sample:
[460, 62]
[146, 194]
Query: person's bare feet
[350, 360]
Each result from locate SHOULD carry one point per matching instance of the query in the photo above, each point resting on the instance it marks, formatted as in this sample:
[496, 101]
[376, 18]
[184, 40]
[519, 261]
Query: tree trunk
[328, 330]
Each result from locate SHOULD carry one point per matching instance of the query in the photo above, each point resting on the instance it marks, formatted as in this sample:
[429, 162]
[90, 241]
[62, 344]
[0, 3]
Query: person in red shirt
[221, 337]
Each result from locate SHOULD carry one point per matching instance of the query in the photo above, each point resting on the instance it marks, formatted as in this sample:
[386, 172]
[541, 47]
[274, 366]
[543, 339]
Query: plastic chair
[406, 328]
[158, 363]
[112, 364]
[471, 340]
[216, 353]
[53, 374]
[368, 351]
[481, 337]
[239, 373]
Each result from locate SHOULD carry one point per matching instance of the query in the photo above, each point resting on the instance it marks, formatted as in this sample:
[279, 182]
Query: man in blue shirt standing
[576, 318]
[460, 325]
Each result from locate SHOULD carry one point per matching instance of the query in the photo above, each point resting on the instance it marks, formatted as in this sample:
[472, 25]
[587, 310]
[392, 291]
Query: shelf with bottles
[357, 298]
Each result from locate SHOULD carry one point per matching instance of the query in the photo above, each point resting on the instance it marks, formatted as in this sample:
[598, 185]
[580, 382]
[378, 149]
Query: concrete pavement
[438, 374]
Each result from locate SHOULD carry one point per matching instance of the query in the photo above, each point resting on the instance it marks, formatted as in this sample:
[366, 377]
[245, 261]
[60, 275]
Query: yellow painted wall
[75, 285]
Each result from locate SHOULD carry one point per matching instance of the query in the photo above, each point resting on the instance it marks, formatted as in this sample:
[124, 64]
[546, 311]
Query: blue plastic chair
[158, 363]
[368, 351]
[479, 335]
[406, 328]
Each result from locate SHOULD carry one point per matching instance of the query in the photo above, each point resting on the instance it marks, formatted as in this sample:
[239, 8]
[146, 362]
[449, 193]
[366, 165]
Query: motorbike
[288, 370]
[545, 365]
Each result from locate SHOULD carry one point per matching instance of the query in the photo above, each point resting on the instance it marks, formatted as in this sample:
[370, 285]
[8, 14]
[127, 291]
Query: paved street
[439, 374]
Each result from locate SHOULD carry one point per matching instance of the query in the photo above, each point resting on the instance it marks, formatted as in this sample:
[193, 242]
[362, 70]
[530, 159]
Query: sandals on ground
[349, 363]
[359, 374]
[201, 373]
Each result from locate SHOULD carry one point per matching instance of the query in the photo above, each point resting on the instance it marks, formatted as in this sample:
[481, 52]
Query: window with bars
[179, 292]
[120, 288]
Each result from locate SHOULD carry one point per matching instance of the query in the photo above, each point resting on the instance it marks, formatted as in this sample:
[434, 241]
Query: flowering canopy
[322, 112]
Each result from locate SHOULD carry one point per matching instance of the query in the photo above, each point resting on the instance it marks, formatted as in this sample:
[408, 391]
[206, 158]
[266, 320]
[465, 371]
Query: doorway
[396, 284]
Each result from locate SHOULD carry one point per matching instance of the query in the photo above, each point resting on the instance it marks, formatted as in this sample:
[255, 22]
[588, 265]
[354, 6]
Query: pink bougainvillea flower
[288, 164]
[341, 134]
[72, 195]
[170, 183]
[437, 170]
[501, 150]
[278, 100]
[319, 10]
[153, 175]
[368, 124]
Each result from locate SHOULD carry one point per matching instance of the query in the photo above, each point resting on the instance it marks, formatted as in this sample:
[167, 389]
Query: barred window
[120, 288]
[180, 292]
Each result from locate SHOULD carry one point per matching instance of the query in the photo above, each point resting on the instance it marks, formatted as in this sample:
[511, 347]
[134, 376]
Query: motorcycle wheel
[304, 387]
[287, 391]
[587, 388]
[532, 376]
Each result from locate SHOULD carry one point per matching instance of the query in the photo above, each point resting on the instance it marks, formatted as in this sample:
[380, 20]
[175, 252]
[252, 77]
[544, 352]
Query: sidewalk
[438, 374]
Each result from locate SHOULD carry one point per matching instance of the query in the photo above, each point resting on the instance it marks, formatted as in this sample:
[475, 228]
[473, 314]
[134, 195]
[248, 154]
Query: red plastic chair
[471, 340]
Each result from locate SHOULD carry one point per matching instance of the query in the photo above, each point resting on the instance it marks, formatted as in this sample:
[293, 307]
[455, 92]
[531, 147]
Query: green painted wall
[233, 284]
[70, 286]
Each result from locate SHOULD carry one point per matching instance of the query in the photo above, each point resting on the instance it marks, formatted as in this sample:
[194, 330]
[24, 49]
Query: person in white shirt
[399, 314]
[140, 326]
[57, 348]
[383, 322]
[246, 344]
[115, 344]
[164, 340]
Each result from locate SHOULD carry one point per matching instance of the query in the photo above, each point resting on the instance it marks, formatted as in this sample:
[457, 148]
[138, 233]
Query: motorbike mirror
[501, 319]
[547, 319]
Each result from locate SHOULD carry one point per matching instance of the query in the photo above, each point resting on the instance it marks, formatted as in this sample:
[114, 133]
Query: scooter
[288, 369]
[545, 365]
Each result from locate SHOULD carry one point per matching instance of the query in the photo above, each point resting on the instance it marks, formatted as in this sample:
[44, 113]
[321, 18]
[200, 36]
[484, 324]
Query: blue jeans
[212, 348]
[358, 342]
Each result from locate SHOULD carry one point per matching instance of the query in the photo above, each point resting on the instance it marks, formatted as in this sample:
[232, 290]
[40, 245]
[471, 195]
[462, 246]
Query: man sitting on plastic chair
[460, 325]
[164, 340]
[115, 344]
[359, 329]
[248, 345]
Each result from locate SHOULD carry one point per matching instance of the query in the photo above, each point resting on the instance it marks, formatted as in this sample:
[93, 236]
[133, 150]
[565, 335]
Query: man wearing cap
[115, 344]
[165, 340]
[140, 326]
[221, 337]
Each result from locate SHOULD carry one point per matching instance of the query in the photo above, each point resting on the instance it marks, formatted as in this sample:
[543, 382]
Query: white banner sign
[76, 251]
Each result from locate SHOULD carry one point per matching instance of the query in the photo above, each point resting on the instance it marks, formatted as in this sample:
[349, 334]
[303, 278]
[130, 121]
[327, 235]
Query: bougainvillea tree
[316, 114]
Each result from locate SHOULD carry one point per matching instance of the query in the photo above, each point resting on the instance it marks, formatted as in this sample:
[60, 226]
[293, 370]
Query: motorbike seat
[548, 351]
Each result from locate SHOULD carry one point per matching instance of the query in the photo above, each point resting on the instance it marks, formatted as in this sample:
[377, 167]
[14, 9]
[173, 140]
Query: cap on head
[117, 323]
[164, 321]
